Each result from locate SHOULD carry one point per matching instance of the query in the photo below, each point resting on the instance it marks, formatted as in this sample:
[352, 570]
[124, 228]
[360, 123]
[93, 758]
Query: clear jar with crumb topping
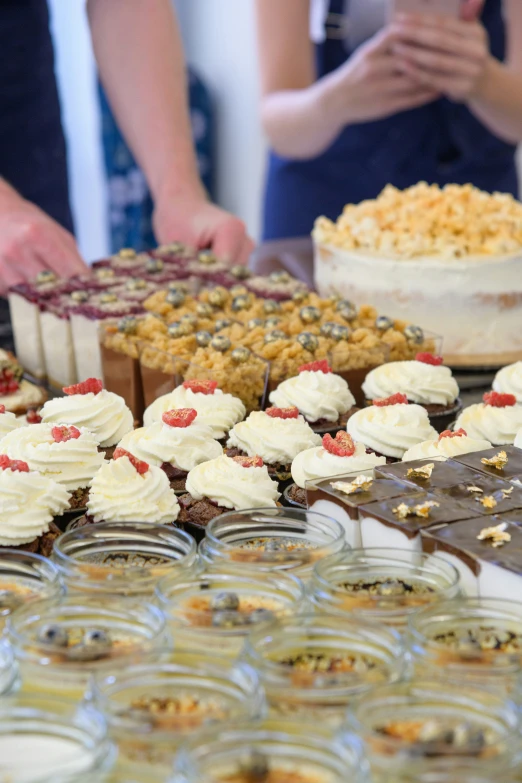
[272, 751]
[48, 740]
[272, 539]
[429, 728]
[152, 709]
[60, 644]
[123, 559]
[472, 641]
[313, 667]
[385, 585]
[217, 609]
[25, 577]
[7, 668]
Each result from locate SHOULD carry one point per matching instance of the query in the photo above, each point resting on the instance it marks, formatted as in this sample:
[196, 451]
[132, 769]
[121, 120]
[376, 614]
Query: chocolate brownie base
[195, 515]
[295, 496]
[44, 544]
[323, 426]
[79, 499]
[278, 472]
[176, 477]
[108, 451]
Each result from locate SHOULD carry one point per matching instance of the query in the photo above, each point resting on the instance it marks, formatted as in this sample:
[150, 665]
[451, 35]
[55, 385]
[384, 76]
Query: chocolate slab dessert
[429, 474]
[501, 461]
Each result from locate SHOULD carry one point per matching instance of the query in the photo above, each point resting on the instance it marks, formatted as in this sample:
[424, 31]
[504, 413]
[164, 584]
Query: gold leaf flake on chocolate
[488, 501]
[359, 484]
[496, 535]
[424, 472]
[478, 490]
[498, 461]
[507, 492]
[422, 510]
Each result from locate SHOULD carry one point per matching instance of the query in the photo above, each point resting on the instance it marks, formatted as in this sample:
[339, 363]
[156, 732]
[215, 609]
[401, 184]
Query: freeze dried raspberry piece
[395, 399]
[13, 464]
[283, 413]
[497, 400]
[62, 434]
[341, 446]
[429, 358]
[8, 382]
[179, 417]
[249, 462]
[319, 366]
[449, 434]
[141, 467]
[201, 387]
[90, 386]
[33, 417]
[2, 409]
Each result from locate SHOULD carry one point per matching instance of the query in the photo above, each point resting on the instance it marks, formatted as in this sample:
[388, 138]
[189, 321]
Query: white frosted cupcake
[391, 426]
[337, 456]
[28, 504]
[89, 405]
[127, 489]
[508, 380]
[218, 410]
[177, 444]
[447, 445]
[498, 419]
[67, 455]
[8, 422]
[277, 435]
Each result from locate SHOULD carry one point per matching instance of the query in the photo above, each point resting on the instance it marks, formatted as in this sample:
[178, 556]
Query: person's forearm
[140, 58]
[498, 103]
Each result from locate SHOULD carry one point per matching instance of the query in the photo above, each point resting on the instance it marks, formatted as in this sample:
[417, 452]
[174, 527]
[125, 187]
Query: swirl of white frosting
[219, 410]
[28, 503]
[120, 494]
[8, 423]
[317, 395]
[276, 441]
[497, 425]
[105, 415]
[28, 395]
[318, 464]
[230, 485]
[422, 383]
[508, 380]
[182, 447]
[446, 448]
[392, 429]
[72, 463]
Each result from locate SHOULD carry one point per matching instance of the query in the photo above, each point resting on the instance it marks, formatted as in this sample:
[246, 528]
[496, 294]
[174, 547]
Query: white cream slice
[58, 348]
[25, 318]
[391, 430]
[508, 380]
[276, 441]
[220, 411]
[445, 448]
[351, 527]
[28, 504]
[230, 485]
[120, 494]
[499, 426]
[317, 395]
[104, 414]
[317, 463]
[425, 384]
[182, 447]
[87, 351]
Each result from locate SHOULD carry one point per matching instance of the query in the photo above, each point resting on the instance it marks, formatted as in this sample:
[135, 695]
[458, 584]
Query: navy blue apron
[32, 144]
[440, 143]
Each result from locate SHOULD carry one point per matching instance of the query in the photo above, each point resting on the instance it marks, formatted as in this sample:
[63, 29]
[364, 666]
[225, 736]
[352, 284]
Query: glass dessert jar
[272, 539]
[49, 740]
[25, 577]
[7, 668]
[472, 641]
[123, 559]
[152, 709]
[274, 751]
[218, 609]
[425, 729]
[60, 644]
[313, 667]
[385, 585]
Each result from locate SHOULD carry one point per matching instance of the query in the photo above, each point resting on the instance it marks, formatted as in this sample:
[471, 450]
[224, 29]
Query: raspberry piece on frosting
[249, 462]
[141, 467]
[283, 413]
[2, 408]
[497, 400]
[179, 417]
[341, 446]
[449, 434]
[62, 434]
[201, 387]
[429, 358]
[395, 399]
[13, 464]
[8, 382]
[319, 366]
[90, 386]
[33, 417]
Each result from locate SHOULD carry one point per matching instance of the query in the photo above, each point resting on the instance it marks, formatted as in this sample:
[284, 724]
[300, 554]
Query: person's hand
[371, 86]
[444, 54]
[200, 224]
[30, 242]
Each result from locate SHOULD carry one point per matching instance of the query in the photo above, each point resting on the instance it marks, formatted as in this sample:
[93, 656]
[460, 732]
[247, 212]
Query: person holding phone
[357, 94]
